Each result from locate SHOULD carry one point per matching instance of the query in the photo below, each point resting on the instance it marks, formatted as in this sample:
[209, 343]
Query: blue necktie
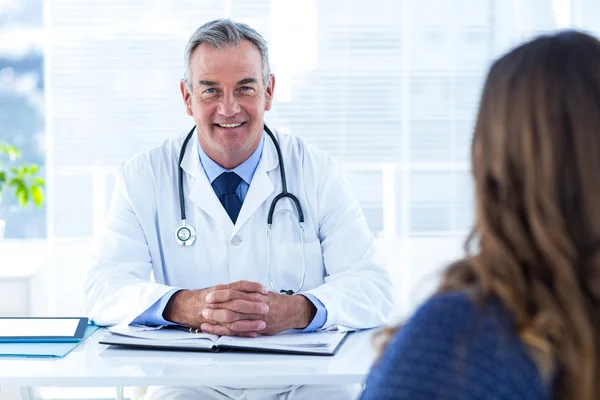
[225, 186]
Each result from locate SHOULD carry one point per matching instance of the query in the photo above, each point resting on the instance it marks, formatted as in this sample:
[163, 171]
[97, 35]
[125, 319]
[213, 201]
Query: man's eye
[245, 88]
[210, 90]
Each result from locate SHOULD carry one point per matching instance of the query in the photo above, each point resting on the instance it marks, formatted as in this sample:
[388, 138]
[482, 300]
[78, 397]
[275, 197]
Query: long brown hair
[536, 241]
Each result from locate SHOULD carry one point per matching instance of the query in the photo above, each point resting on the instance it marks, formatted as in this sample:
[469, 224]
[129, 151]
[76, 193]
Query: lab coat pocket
[286, 265]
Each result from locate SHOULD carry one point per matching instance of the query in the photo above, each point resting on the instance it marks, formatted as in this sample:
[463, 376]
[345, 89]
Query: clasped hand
[241, 308]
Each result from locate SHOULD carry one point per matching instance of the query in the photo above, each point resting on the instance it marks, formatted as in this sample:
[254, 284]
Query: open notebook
[169, 338]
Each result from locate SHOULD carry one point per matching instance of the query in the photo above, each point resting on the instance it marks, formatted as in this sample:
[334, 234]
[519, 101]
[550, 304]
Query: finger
[224, 295]
[236, 328]
[220, 286]
[249, 287]
[247, 326]
[216, 329]
[240, 306]
[247, 334]
[224, 316]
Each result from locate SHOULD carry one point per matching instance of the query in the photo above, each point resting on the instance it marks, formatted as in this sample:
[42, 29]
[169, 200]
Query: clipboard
[43, 350]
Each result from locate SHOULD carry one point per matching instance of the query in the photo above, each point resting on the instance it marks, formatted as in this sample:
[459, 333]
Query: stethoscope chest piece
[185, 235]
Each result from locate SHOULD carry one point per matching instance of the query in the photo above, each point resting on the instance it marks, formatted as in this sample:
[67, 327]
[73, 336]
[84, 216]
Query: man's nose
[228, 106]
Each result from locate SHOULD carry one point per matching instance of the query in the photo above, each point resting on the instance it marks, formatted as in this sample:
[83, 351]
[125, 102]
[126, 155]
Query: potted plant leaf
[18, 179]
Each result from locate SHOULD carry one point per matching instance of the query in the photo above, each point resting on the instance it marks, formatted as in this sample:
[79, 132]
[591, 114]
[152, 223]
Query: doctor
[245, 230]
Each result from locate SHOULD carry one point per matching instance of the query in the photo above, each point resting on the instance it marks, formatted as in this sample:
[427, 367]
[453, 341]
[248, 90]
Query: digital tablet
[42, 329]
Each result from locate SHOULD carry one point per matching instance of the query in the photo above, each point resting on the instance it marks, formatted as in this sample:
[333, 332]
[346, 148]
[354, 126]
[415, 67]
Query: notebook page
[161, 334]
[176, 344]
[291, 340]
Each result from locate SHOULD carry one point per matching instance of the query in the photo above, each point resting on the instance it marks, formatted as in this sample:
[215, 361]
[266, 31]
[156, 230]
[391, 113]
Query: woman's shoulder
[451, 305]
[457, 312]
[477, 328]
[455, 346]
[460, 320]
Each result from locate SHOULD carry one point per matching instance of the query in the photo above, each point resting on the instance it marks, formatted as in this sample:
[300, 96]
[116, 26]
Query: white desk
[92, 364]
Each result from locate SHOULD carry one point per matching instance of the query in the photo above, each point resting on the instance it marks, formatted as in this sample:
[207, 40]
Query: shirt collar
[245, 170]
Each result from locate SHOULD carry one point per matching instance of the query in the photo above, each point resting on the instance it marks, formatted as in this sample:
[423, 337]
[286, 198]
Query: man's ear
[187, 97]
[270, 91]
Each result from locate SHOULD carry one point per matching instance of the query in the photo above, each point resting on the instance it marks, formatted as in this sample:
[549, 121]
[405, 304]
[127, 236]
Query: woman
[519, 318]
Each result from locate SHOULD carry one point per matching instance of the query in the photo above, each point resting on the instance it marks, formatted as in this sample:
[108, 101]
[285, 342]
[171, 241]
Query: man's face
[228, 101]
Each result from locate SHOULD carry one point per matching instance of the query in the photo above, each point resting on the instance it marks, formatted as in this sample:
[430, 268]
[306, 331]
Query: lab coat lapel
[261, 186]
[202, 193]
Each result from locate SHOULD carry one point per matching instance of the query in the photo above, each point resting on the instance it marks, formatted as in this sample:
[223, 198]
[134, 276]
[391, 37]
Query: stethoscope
[185, 235]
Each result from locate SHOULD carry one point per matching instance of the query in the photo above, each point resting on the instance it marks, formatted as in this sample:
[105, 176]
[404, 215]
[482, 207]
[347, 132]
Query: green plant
[23, 179]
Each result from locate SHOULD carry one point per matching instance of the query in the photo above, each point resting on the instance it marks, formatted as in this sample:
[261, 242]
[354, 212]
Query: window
[388, 87]
[22, 113]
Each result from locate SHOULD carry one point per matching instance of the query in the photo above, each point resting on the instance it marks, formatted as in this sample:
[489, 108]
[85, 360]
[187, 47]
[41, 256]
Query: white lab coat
[343, 269]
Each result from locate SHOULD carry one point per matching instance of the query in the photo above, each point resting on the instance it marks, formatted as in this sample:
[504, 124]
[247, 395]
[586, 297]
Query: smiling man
[228, 112]
[236, 278]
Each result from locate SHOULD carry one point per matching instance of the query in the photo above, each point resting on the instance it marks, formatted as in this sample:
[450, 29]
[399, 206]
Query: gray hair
[222, 34]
